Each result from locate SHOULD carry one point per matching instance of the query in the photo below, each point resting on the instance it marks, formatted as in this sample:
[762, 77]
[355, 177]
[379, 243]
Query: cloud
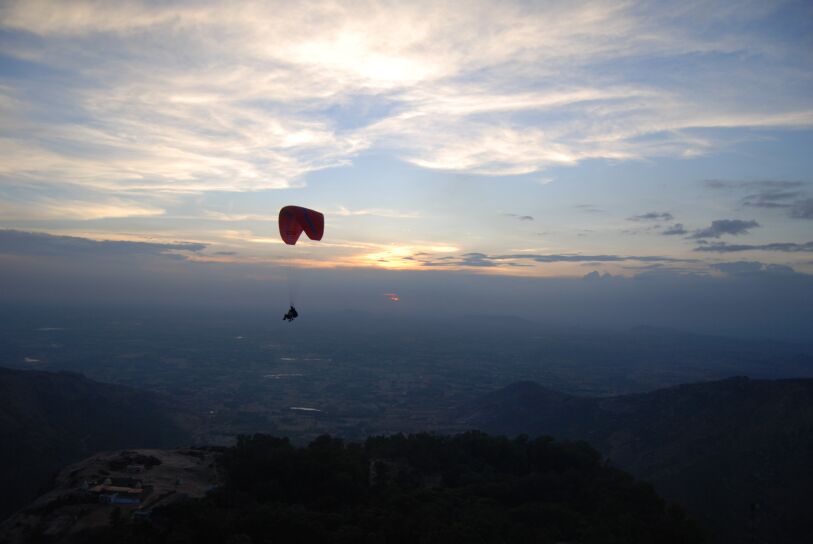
[15, 242]
[257, 95]
[720, 227]
[41, 206]
[722, 247]
[791, 196]
[589, 208]
[664, 270]
[596, 275]
[675, 230]
[772, 198]
[520, 217]
[802, 209]
[753, 268]
[556, 258]
[757, 185]
[652, 216]
[477, 259]
[642, 230]
[377, 212]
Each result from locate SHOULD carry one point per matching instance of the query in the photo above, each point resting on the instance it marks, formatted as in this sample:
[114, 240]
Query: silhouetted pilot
[291, 315]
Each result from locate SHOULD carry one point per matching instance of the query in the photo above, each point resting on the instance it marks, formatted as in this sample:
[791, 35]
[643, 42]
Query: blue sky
[510, 138]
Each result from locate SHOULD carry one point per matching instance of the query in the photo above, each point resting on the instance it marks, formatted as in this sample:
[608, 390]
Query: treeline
[420, 488]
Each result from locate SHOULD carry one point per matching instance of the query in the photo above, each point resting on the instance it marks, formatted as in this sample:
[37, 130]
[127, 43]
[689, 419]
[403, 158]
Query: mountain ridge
[734, 452]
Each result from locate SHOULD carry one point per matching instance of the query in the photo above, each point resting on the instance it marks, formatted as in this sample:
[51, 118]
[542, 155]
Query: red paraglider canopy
[294, 219]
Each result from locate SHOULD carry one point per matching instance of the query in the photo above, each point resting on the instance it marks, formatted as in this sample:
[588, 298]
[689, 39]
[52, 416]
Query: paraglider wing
[295, 219]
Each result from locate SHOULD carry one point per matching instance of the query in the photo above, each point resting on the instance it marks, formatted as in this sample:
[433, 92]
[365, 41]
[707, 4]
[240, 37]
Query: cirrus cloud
[257, 95]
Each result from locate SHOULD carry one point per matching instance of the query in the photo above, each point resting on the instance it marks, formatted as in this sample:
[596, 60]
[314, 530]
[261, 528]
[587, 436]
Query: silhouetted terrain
[421, 488]
[50, 419]
[733, 451]
[737, 452]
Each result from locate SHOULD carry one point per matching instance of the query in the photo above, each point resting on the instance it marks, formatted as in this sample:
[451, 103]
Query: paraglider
[293, 221]
[291, 315]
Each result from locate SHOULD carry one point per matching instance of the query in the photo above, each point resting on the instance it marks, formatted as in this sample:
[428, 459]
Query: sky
[512, 139]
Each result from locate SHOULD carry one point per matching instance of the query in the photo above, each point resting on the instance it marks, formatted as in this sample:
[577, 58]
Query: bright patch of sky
[543, 138]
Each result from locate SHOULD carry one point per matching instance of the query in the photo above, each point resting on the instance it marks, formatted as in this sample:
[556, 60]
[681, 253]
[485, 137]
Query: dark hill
[528, 408]
[419, 488]
[737, 453]
[50, 419]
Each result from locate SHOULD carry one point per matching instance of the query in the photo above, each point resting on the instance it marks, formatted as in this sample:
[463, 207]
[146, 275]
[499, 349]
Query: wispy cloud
[520, 217]
[652, 216]
[771, 198]
[104, 207]
[589, 208]
[792, 197]
[257, 95]
[802, 209]
[376, 212]
[675, 230]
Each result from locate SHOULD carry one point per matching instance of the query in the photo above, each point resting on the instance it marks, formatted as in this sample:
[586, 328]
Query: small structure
[122, 499]
[120, 491]
[143, 515]
[123, 482]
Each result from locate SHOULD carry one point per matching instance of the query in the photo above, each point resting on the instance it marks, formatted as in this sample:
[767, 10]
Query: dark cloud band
[18, 242]
[719, 227]
[722, 247]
